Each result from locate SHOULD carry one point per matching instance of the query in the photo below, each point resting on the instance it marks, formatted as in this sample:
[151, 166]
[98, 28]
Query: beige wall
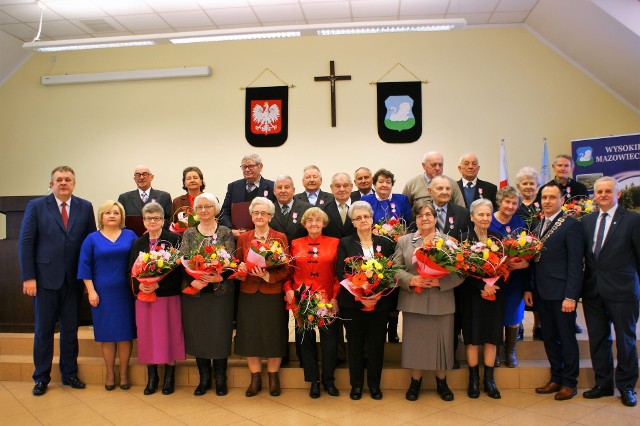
[485, 84]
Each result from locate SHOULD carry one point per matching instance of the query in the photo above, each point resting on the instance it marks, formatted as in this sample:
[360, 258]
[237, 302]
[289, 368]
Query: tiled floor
[95, 406]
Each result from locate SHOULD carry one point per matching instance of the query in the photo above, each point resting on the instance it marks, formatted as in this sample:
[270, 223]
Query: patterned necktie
[144, 196]
[343, 212]
[251, 186]
[600, 235]
[285, 210]
[441, 218]
[65, 215]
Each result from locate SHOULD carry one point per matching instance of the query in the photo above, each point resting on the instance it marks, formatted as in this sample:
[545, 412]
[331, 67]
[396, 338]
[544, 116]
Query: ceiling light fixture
[234, 37]
[102, 77]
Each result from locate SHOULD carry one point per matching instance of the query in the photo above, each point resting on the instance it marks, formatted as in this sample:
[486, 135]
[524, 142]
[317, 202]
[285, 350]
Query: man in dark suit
[473, 188]
[244, 190]
[51, 235]
[312, 180]
[341, 189]
[557, 284]
[611, 291]
[363, 179]
[134, 201]
[289, 211]
[563, 168]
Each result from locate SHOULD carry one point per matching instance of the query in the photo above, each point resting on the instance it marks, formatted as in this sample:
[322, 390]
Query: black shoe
[125, 386]
[490, 384]
[356, 393]
[578, 329]
[314, 392]
[443, 390]
[169, 379]
[537, 333]
[597, 392]
[74, 382]
[39, 389]
[473, 391]
[331, 389]
[628, 398]
[413, 393]
[152, 379]
[375, 392]
[109, 387]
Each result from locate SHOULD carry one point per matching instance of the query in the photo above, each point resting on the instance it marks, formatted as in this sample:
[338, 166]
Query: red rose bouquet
[311, 309]
[151, 267]
[392, 228]
[207, 259]
[369, 278]
[485, 260]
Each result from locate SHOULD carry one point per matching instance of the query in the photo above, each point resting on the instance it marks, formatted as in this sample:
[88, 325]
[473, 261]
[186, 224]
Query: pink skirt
[160, 336]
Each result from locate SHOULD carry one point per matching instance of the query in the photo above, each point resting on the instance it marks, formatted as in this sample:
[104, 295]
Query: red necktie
[65, 216]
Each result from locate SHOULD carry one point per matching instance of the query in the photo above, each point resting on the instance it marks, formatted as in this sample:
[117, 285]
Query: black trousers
[365, 329]
[328, 347]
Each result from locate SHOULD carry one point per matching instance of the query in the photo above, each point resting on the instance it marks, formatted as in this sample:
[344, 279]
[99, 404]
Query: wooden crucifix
[332, 78]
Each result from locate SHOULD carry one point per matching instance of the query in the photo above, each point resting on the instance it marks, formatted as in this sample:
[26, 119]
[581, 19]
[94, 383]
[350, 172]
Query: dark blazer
[323, 198]
[350, 246]
[335, 228]
[356, 195]
[133, 205]
[458, 221]
[614, 274]
[558, 274]
[573, 188]
[291, 225]
[236, 194]
[181, 201]
[47, 252]
[489, 192]
[169, 285]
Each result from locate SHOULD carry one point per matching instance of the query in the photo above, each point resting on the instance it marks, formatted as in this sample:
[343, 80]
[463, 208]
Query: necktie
[313, 198]
[600, 235]
[343, 212]
[441, 218]
[65, 215]
[545, 225]
[285, 210]
[144, 197]
[469, 190]
[251, 186]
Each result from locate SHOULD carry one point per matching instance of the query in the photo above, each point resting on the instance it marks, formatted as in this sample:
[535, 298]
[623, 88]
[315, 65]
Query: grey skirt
[207, 321]
[427, 341]
[262, 327]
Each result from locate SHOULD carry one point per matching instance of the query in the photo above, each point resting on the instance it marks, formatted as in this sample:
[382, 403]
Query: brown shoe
[274, 384]
[549, 388]
[255, 385]
[565, 393]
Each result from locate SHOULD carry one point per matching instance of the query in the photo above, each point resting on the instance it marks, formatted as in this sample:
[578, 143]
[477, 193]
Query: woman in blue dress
[505, 221]
[103, 266]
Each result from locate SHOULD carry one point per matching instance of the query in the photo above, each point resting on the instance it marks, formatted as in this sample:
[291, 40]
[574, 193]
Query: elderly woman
[427, 315]
[207, 317]
[193, 183]
[385, 206]
[506, 222]
[481, 318]
[262, 328]
[364, 328]
[159, 324]
[314, 261]
[103, 266]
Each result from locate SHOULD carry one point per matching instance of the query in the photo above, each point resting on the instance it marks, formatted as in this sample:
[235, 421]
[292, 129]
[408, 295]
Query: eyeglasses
[139, 175]
[260, 214]
[361, 218]
[424, 216]
[153, 219]
[248, 166]
[203, 208]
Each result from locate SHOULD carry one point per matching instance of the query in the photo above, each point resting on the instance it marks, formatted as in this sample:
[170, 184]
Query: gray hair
[507, 192]
[337, 175]
[360, 205]
[152, 207]
[210, 197]
[603, 179]
[566, 157]
[431, 153]
[312, 167]
[481, 202]
[467, 154]
[264, 202]
[252, 157]
[527, 172]
[283, 177]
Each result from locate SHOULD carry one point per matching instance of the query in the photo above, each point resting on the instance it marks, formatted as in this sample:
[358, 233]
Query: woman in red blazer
[314, 261]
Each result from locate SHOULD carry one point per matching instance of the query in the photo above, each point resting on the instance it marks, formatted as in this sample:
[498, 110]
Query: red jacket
[277, 276]
[315, 265]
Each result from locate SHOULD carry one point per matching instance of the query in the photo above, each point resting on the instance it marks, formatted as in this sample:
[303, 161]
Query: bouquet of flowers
[151, 267]
[392, 228]
[311, 309]
[485, 260]
[535, 214]
[206, 259]
[437, 258]
[183, 219]
[267, 255]
[579, 206]
[523, 246]
[369, 278]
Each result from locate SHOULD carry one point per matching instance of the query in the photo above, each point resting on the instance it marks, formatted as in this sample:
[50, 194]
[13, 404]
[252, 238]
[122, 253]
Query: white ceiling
[600, 36]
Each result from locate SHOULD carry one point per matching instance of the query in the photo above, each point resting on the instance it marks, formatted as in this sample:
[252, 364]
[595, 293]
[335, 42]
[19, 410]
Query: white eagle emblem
[266, 119]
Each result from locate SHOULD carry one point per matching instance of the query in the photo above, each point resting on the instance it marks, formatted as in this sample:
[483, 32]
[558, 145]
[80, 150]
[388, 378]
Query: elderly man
[473, 188]
[312, 180]
[52, 232]
[418, 187]
[340, 224]
[240, 193]
[363, 179]
[563, 168]
[611, 291]
[289, 210]
[134, 201]
[557, 285]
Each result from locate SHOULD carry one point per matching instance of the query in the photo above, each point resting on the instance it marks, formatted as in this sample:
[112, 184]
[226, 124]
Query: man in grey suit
[312, 180]
[134, 201]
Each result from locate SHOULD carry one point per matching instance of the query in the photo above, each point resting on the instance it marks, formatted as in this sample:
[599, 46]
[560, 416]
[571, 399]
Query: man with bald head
[134, 201]
[471, 187]
[418, 187]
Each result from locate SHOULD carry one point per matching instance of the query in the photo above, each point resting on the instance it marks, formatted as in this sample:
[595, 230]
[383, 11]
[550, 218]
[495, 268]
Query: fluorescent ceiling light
[94, 46]
[234, 37]
[382, 30]
[101, 77]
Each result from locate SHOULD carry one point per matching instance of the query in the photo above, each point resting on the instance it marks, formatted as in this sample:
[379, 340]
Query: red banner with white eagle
[266, 116]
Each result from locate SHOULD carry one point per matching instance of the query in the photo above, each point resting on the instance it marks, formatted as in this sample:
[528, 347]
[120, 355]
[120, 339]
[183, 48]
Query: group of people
[60, 245]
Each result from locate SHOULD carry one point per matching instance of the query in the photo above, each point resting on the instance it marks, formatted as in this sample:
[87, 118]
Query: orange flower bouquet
[151, 267]
[523, 246]
[207, 259]
[391, 229]
[437, 258]
[311, 309]
[369, 278]
[485, 260]
[579, 206]
[267, 255]
[183, 219]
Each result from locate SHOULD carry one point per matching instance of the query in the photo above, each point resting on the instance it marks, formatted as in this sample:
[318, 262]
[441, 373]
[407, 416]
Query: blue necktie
[469, 190]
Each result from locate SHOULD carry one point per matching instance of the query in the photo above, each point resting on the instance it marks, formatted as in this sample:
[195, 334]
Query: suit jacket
[169, 285]
[277, 276]
[350, 246]
[356, 195]
[558, 274]
[489, 192]
[458, 221]
[236, 194]
[431, 301]
[178, 202]
[49, 253]
[335, 228]
[323, 198]
[315, 265]
[290, 225]
[614, 274]
[133, 205]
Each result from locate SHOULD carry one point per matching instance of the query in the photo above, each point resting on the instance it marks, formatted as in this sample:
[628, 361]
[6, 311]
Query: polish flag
[504, 174]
